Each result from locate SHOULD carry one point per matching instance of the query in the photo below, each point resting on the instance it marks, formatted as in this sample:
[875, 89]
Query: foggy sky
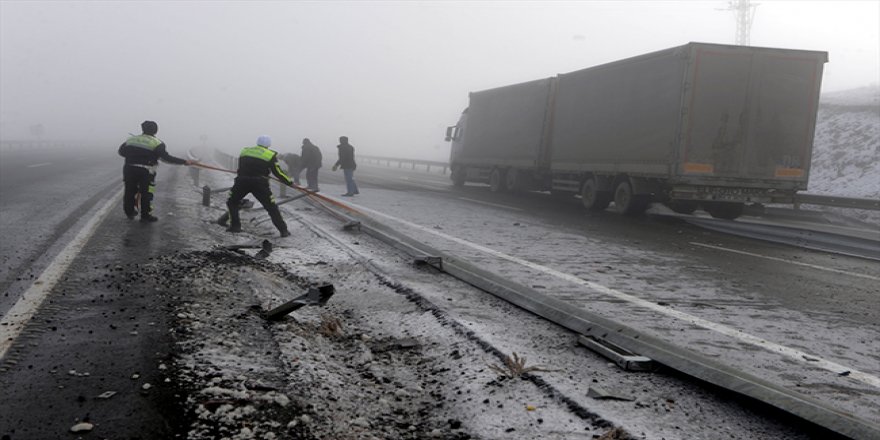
[390, 75]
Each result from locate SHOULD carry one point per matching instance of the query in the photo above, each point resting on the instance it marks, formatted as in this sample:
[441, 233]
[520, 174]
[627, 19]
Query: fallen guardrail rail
[590, 324]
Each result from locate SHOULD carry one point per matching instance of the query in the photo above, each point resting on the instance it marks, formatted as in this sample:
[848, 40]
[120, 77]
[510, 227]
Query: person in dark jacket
[294, 165]
[254, 165]
[142, 154]
[311, 160]
[346, 162]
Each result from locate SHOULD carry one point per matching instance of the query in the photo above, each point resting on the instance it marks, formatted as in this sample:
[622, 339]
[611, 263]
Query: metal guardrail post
[206, 195]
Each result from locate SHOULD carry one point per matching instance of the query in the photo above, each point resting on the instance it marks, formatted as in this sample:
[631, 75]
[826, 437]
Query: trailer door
[717, 112]
[785, 96]
[751, 113]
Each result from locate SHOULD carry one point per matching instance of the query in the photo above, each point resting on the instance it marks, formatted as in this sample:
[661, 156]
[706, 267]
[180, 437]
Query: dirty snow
[411, 355]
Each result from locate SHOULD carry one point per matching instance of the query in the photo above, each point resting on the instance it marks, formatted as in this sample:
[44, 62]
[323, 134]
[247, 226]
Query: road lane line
[791, 353]
[39, 164]
[24, 309]
[811, 266]
[490, 204]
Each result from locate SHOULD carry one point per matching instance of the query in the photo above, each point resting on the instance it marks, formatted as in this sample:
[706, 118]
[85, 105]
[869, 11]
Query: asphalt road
[43, 194]
[743, 262]
[802, 319]
[45, 197]
[91, 335]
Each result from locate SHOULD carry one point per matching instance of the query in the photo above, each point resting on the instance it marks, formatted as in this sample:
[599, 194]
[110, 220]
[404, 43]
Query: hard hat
[264, 141]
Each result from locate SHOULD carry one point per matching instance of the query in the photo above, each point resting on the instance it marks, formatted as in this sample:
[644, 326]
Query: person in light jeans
[346, 162]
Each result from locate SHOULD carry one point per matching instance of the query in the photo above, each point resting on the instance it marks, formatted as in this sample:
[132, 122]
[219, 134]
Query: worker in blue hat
[254, 165]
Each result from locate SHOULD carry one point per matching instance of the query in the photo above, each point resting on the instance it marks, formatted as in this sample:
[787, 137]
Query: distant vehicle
[700, 125]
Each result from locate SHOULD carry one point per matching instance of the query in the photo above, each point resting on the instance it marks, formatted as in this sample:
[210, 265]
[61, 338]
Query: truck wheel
[724, 210]
[497, 182]
[683, 206]
[513, 180]
[592, 198]
[626, 202]
[458, 176]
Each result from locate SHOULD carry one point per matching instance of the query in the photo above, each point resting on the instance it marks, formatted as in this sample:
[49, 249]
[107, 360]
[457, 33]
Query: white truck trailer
[700, 125]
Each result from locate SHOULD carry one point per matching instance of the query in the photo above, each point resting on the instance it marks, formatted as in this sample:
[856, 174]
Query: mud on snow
[377, 362]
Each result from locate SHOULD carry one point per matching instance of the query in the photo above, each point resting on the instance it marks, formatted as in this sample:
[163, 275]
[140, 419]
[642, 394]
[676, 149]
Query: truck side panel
[620, 116]
[505, 125]
[750, 118]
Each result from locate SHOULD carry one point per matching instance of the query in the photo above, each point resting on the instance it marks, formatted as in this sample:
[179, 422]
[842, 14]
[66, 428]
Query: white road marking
[39, 164]
[812, 266]
[791, 353]
[15, 319]
[490, 204]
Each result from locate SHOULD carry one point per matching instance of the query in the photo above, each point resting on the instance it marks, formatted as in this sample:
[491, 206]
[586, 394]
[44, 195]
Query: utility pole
[745, 15]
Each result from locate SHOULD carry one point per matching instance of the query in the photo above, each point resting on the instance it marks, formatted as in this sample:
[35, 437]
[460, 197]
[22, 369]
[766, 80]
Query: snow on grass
[846, 148]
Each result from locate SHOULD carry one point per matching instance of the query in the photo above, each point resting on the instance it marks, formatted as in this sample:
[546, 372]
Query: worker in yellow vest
[254, 165]
[142, 154]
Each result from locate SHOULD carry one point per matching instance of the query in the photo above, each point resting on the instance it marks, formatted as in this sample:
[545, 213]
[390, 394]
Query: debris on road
[82, 427]
[314, 297]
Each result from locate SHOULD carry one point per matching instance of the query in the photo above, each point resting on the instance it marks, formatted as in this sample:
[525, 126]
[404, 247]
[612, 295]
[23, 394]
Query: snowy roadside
[399, 352]
[846, 152]
[379, 361]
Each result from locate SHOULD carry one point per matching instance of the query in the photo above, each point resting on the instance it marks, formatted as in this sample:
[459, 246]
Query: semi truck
[701, 125]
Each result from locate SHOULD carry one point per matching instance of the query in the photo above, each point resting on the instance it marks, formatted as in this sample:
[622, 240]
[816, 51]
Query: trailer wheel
[458, 176]
[724, 210]
[497, 182]
[513, 180]
[626, 202]
[592, 198]
[683, 206]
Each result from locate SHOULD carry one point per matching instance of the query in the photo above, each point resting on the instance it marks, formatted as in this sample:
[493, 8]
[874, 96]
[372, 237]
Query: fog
[389, 75]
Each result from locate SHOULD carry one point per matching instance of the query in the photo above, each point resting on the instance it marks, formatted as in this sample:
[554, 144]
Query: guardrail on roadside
[800, 198]
[836, 201]
[32, 145]
[401, 162]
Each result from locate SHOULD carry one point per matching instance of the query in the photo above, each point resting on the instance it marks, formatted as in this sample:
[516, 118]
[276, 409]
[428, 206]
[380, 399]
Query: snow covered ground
[400, 351]
[846, 149]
